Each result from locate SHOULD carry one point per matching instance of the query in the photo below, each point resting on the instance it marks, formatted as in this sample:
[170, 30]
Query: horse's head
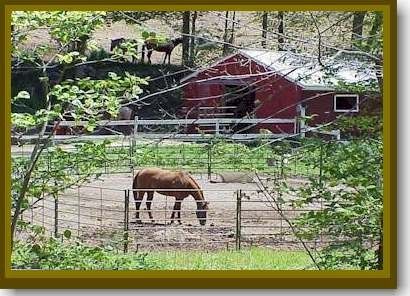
[116, 42]
[201, 212]
[177, 41]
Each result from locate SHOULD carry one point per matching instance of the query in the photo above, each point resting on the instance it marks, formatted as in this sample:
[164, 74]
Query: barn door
[239, 102]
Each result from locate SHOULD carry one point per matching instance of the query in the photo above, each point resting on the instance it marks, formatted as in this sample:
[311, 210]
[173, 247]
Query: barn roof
[306, 71]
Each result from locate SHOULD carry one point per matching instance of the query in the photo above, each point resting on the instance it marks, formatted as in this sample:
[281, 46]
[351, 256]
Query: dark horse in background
[117, 42]
[124, 113]
[151, 45]
[162, 181]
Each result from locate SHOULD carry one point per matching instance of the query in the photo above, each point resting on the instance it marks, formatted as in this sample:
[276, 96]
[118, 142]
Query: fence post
[282, 159]
[79, 211]
[135, 131]
[126, 218]
[302, 121]
[56, 216]
[209, 160]
[321, 165]
[105, 160]
[217, 127]
[48, 161]
[238, 219]
[130, 148]
[156, 154]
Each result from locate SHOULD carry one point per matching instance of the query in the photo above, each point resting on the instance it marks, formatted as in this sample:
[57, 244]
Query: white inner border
[356, 109]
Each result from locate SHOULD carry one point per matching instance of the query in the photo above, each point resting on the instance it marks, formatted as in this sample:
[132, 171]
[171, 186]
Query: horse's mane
[197, 185]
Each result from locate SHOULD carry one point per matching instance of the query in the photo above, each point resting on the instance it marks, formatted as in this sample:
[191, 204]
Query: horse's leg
[143, 53]
[169, 57]
[165, 58]
[134, 59]
[150, 196]
[177, 211]
[138, 197]
[149, 55]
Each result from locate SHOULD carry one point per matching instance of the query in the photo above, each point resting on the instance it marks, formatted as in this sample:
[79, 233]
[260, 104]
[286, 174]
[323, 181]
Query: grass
[255, 258]
[194, 158]
[52, 254]
[224, 157]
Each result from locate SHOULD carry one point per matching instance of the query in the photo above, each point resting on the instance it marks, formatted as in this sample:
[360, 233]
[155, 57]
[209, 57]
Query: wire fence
[208, 158]
[106, 217]
[242, 215]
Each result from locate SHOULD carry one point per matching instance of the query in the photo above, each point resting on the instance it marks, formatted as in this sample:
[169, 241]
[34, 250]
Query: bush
[98, 54]
[53, 254]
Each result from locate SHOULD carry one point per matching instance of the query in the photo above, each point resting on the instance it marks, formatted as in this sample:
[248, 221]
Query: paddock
[102, 213]
[247, 207]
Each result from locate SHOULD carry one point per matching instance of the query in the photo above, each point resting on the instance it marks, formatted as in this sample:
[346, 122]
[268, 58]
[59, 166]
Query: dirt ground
[96, 213]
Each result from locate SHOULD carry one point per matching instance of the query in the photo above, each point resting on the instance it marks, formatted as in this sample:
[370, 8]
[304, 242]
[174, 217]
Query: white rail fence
[206, 127]
[200, 129]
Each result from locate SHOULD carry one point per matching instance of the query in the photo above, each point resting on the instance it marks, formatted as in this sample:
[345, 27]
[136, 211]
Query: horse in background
[150, 180]
[151, 44]
[117, 43]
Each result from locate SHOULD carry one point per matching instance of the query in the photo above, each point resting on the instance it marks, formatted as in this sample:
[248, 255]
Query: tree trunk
[185, 37]
[281, 39]
[357, 29]
[232, 38]
[226, 45]
[193, 35]
[264, 28]
[379, 251]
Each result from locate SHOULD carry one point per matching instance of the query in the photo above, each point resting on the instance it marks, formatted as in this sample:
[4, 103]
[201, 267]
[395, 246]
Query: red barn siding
[277, 95]
[321, 104]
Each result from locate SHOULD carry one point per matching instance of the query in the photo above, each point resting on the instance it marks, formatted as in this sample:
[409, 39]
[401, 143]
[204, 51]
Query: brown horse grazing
[157, 179]
[151, 45]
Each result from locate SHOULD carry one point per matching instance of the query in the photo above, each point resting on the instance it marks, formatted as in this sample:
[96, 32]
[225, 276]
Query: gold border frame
[386, 278]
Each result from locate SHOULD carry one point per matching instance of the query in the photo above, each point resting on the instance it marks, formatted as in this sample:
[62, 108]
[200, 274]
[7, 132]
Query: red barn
[266, 84]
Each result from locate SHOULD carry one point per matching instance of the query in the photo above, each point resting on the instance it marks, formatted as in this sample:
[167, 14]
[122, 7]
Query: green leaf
[36, 249]
[145, 34]
[67, 234]
[23, 95]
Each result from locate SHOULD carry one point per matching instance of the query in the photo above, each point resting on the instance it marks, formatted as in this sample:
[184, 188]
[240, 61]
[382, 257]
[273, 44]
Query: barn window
[346, 103]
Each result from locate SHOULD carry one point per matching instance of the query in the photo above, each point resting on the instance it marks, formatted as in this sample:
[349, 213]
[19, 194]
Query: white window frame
[346, 95]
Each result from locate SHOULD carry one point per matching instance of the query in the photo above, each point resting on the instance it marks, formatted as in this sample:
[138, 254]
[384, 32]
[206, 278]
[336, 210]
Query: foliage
[39, 252]
[98, 54]
[350, 189]
[65, 27]
[81, 99]
[154, 38]
[65, 253]
[57, 170]
[370, 126]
